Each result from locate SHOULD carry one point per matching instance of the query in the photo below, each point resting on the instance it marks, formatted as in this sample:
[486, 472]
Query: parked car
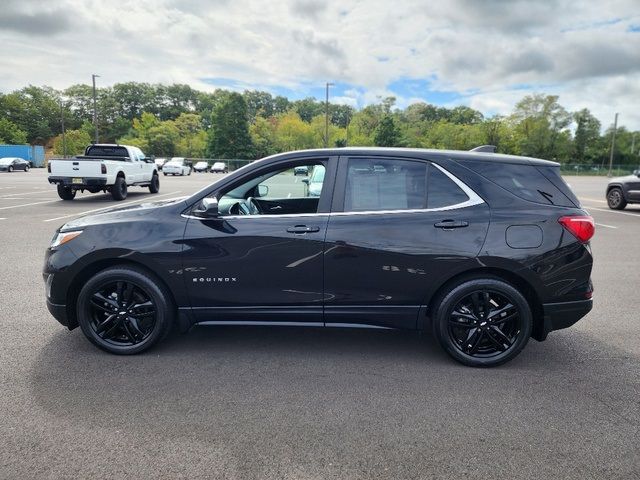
[10, 164]
[482, 250]
[219, 167]
[301, 170]
[201, 167]
[623, 190]
[177, 166]
[104, 168]
[160, 162]
[315, 181]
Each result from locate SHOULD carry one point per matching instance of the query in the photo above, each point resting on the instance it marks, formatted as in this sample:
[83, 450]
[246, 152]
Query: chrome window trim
[474, 199]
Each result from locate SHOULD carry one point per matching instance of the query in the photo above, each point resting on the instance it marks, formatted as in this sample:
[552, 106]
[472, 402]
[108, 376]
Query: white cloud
[581, 50]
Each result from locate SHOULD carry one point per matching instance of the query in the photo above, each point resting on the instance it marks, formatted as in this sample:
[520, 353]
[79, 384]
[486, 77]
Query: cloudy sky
[485, 54]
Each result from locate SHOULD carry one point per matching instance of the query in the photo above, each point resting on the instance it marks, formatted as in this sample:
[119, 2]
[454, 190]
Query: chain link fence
[581, 169]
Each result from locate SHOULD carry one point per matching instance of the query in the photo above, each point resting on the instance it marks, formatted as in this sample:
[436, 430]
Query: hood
[626, 178]
[124, 214]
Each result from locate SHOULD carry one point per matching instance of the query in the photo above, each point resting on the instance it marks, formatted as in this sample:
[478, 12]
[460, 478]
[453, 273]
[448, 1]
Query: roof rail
[485, 149]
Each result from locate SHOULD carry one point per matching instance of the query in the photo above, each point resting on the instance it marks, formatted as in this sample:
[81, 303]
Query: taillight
[103, 168]
[580, 226]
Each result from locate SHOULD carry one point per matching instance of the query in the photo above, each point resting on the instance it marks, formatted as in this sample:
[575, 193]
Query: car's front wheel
[26, 168]
[482, 322]
[615, 199]
[124, 310]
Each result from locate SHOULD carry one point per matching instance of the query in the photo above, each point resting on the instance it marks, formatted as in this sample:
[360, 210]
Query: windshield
[318, 174]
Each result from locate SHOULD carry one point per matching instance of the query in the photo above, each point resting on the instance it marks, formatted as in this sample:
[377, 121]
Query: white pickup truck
[104, 168]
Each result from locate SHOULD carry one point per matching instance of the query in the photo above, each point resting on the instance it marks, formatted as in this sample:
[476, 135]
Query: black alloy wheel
[483, 322]
[615, 199]
[124, 310]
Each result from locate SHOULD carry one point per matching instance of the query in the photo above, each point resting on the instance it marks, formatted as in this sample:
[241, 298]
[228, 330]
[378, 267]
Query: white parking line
[26, 205]
[76, 214]
[2, 218]
[613, 211]
[592, 199]
[603, 225]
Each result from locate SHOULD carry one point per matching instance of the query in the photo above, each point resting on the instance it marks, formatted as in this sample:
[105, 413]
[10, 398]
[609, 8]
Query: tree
[263, 136]
[386, 133]
[10, 133]
[587, 133]
[229, 135]
[75, 142]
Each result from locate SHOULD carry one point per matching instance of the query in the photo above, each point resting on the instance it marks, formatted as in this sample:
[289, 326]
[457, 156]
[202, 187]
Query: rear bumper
[562, 315]
[86, 182]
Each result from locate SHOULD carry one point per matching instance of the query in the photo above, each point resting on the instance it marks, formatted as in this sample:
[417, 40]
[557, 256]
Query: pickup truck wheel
[119, 189]
[66, 193]
[154, 186]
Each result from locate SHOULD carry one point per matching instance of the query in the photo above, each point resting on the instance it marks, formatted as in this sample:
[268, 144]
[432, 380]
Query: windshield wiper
[547, 196]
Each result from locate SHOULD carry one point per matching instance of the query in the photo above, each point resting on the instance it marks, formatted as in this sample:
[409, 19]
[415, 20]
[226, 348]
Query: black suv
[485, 250]
[623, 190]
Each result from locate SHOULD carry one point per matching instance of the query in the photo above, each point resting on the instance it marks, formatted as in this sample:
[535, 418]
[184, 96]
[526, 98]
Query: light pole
[613, 144]
[64, 140]
[326, 116]
[95, 112]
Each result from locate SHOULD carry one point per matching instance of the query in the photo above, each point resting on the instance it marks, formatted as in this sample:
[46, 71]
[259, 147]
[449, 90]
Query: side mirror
[208, 208]
[263, 190]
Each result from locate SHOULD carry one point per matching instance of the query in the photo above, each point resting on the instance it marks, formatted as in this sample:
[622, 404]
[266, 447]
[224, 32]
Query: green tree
[229, 135]
[586, 135]
[11, 134]
[263, 136]
[386, 133]
[75, 141]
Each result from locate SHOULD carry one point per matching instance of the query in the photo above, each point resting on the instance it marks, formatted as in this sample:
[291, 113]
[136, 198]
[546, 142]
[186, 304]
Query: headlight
[63, 237]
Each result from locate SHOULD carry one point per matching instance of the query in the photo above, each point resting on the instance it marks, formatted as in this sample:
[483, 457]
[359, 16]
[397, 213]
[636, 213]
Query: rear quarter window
[526, 181]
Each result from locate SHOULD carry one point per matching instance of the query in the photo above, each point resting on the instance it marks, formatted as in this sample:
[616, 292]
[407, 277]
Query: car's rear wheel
[482, 322]
[124, 310]
[66, 193]
[119, 189]
[154, 186]
[615, 199]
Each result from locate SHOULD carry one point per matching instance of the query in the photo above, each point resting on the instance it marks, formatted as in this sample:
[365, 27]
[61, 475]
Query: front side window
[392, 184]
[290, 190]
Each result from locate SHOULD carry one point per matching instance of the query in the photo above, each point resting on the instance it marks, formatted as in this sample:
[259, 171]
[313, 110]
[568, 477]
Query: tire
[615, 199]
[125, 323]
[119, 189]
[66, 193]
[189, 172]
[154, 186]
[10, 169]
[164, 174]
[471, 337]
[26, 168]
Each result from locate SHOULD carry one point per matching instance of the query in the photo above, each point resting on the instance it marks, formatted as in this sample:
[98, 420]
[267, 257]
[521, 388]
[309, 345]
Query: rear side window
[392, 184]
[524, 181]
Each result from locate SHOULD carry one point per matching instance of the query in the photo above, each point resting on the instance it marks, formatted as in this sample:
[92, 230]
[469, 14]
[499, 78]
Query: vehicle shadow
[314, 394]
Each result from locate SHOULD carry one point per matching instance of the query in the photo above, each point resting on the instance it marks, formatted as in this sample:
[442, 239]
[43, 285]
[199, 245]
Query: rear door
[398, 227]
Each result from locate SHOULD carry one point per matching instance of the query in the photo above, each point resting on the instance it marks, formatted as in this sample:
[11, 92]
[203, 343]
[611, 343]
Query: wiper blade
[547, 196]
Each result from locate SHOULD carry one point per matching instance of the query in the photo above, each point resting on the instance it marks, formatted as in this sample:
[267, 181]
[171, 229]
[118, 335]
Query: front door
[262, 259]
[397, 228]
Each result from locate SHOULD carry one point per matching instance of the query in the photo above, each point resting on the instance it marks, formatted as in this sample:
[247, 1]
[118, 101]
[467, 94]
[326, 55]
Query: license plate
[76, 180]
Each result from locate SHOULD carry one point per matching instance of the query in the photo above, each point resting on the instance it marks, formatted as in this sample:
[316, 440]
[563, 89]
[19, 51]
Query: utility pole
[95, 112]
[613, 144]
[64, 140]
[326, 117]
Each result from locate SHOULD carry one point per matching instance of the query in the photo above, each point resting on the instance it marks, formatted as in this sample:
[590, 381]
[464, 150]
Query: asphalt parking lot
[240, 402]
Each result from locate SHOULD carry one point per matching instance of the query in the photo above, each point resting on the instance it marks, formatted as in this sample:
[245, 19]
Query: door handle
[302, 229]
[449, 224]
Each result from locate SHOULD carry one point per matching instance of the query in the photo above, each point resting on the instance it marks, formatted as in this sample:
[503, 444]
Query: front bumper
[562, 315]
[86, 182]
[59, 312]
